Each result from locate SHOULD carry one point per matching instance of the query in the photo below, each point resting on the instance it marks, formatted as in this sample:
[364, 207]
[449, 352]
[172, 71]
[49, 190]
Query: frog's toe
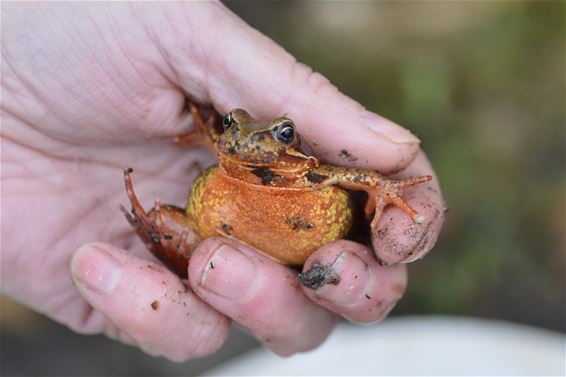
[419, 219]
[202, 133]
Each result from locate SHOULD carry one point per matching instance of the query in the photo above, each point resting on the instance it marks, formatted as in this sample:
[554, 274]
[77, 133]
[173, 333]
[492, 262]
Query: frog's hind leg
[163, 229]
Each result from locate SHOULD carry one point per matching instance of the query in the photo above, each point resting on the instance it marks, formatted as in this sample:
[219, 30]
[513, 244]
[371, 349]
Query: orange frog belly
[286, 224]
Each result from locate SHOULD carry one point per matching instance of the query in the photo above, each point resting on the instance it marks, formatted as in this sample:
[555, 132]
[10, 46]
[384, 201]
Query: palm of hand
[70, 147]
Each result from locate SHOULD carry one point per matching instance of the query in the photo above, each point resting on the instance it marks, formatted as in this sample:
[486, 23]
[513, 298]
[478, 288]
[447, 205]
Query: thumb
[220, 59]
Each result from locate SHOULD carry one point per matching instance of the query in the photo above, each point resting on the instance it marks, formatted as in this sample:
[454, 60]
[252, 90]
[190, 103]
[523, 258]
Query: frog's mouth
[288, 160]
[283, 171]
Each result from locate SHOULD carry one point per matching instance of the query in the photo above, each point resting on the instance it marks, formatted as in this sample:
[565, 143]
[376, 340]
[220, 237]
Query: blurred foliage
[482, 84]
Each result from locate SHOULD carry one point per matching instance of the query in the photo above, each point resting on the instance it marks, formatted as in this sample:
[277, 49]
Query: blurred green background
[483, 85]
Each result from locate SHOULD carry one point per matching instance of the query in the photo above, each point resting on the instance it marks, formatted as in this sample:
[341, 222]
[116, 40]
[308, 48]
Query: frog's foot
[203, 134]
[163, 229]
[391, 193]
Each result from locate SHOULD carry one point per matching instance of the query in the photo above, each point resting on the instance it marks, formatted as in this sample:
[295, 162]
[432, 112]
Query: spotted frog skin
[265, 193]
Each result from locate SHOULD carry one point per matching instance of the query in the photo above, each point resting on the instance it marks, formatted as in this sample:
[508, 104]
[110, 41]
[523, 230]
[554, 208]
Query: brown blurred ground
[482, 84]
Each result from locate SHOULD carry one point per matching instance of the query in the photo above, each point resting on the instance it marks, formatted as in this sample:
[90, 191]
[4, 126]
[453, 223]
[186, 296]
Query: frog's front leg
[204, 133]
[381, 190]
[164, 230]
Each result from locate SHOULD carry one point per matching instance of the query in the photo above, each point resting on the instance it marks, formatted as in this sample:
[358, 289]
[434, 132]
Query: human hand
[90, 88]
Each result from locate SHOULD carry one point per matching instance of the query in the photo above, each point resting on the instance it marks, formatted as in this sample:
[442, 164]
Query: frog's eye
[228, 121]
[285, 132]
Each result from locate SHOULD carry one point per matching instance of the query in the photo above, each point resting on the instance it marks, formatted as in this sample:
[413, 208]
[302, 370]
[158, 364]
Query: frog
[266, 192]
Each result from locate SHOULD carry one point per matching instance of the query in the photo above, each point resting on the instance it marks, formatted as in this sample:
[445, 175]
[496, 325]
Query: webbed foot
[391, 193]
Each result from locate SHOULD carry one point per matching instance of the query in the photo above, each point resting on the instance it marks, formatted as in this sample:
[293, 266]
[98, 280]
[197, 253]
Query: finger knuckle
[314, 81]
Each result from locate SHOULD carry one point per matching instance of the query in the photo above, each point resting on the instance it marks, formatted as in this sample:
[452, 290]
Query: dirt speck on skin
[382, 233]
[227, 228]
[347, 155]
[154, 267]
[155, 305]
[318, 276]
[298, 223]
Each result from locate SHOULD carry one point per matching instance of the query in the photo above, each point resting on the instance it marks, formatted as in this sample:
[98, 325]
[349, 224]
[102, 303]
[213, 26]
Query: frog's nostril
[257, 137]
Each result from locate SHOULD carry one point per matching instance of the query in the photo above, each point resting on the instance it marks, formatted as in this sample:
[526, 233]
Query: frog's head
[253, 144]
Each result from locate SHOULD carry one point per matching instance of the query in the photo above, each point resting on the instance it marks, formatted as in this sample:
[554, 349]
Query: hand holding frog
[90, 89]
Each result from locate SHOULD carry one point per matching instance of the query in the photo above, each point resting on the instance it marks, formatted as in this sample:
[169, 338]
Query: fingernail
[95, 268]
[354, 280]
[388, 129]
[228, 273]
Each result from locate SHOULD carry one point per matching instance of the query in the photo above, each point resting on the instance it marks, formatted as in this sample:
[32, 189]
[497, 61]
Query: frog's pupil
[286, 133]
[227, 121]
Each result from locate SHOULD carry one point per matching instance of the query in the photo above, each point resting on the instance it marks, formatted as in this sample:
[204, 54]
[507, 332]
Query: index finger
[264, 79]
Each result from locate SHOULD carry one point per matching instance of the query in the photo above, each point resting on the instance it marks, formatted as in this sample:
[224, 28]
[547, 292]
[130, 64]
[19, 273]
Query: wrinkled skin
[90, 88]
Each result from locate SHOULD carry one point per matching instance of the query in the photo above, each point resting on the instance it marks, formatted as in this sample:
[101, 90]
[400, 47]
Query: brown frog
[265, 192]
